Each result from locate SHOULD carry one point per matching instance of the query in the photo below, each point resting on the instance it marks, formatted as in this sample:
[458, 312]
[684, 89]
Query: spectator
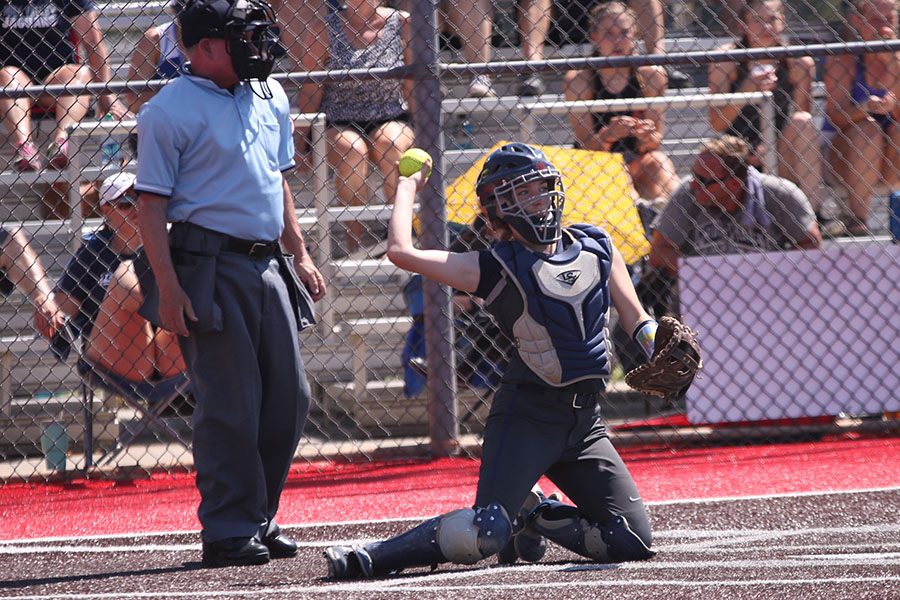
[534, 18]
[39, 44]
[729, 207]
[574, 21]
[365, 120]
[158, 55]
[636, 135]
[122, 343]
[862, 111]
[790, 80]
[472, 21]
[117, 339]
[20, 266]
[83, 285]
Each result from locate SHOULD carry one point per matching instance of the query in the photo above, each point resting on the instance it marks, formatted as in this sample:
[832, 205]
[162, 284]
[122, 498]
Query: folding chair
[149, 399]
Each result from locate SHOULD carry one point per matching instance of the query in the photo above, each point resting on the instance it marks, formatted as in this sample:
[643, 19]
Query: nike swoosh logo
[634, 499]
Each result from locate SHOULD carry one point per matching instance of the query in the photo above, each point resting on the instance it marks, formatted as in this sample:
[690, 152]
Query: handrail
[767, 123]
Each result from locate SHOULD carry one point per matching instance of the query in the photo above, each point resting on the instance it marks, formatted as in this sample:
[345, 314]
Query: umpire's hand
[310, 276]
[174, 305]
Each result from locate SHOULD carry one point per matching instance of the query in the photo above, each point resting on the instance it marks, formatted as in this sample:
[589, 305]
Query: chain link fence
[791, 281]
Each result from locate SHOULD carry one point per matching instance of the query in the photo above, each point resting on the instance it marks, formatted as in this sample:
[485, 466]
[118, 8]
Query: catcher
[550, 290]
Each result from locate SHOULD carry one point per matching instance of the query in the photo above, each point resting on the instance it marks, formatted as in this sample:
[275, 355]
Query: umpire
[213, 146]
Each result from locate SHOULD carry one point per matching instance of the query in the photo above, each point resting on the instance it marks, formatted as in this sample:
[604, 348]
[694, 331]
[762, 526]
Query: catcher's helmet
[520, 187]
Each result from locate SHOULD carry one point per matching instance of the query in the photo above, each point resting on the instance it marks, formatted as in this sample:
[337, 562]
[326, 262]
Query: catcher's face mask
[532, 204]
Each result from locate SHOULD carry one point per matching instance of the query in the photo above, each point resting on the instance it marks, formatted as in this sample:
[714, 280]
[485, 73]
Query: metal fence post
[443, 426]
[767, 124]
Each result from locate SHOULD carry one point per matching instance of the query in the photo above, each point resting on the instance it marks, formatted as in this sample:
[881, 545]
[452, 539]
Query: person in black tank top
[797, 151]
[637, 135]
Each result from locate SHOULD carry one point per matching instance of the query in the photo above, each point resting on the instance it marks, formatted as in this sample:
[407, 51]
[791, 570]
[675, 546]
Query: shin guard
[612, 542]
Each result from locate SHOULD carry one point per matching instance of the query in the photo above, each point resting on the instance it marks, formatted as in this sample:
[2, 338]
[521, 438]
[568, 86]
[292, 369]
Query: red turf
[343, 492]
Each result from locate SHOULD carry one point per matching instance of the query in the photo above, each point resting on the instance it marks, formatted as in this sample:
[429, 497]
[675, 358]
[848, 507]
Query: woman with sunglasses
[100, 294]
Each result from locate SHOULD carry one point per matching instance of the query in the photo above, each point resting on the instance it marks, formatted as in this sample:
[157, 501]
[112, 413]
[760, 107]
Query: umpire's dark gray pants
[529, 434]
[252, 398]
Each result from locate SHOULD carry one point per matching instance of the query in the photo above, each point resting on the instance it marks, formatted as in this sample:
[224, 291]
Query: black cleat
[345, 562]
[234, 552]
[525, 543]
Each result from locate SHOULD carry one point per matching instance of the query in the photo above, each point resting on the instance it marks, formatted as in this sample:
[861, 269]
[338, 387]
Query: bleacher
[353, 358]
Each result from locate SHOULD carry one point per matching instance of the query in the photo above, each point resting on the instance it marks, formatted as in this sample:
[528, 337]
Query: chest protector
[561, 333]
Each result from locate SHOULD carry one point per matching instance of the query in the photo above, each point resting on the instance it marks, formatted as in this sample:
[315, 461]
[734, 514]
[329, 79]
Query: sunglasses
[125, 201]
[711, 181]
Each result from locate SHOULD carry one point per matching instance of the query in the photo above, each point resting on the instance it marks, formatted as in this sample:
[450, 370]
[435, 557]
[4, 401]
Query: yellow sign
[598, 191]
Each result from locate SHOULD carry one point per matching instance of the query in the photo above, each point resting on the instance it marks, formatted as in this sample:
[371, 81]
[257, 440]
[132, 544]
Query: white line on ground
[770, 496]
[717, 541]
[114, 536]
[704, 540]
[70, 549]
[409, 586]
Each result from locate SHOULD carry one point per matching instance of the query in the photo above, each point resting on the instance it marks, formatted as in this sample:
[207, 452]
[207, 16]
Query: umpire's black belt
[255, 249]
[577, 396]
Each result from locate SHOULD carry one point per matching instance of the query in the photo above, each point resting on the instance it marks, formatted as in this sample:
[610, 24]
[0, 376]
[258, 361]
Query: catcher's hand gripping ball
[412, 161]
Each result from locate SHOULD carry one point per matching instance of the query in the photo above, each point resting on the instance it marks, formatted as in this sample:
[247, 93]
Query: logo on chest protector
[569, 277]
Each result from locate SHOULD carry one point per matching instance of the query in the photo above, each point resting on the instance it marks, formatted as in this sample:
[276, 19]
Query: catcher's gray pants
[536, 430]
[252, 398]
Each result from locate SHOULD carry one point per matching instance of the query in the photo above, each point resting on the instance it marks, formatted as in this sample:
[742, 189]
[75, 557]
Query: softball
[412, 161]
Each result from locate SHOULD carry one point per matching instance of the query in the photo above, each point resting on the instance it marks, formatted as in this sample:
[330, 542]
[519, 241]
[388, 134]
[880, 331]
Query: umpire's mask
[252, 35]
[248, 26]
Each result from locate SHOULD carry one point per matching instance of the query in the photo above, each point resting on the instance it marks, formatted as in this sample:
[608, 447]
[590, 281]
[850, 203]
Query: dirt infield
[833, 545]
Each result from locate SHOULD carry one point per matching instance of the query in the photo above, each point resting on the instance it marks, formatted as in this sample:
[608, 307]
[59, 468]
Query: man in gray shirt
[728, 207]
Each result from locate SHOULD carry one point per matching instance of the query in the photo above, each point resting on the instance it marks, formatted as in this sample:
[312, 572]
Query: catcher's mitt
[675, 361]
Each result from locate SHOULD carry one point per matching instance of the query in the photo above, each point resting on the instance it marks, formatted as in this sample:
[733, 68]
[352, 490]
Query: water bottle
[894, 216]
[462, 133]
[54, 438]
[111, 149]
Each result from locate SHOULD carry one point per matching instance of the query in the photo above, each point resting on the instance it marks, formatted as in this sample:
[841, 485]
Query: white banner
[795, 334]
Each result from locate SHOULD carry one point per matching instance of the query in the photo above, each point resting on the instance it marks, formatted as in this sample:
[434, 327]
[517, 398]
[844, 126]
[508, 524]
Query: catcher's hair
[611, 9]
[498, 230]
[732, 151]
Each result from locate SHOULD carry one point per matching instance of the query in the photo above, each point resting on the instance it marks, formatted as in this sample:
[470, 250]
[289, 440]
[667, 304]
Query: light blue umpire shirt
[218, 156]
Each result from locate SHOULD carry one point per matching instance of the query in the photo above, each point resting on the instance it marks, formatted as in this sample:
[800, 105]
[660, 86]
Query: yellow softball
[412, 161]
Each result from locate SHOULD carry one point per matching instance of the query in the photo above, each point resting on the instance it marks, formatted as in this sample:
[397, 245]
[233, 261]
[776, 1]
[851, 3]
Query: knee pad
[622, 543]
[468, 535]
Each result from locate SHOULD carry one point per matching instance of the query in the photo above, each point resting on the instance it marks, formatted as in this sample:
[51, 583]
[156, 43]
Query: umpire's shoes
[280, 545]
[526, 543]
[346, 562]
[234, 552]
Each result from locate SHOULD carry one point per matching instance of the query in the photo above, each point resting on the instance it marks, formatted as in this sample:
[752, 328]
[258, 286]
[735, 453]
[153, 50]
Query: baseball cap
[115, 186]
